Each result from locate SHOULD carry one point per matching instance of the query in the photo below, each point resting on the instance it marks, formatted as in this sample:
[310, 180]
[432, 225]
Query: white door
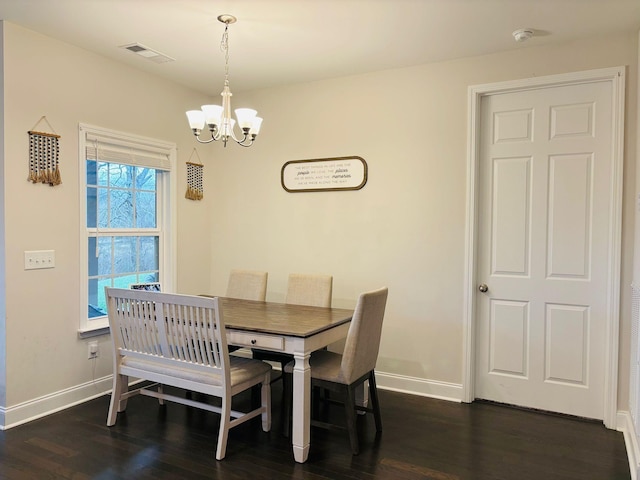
[544, 243]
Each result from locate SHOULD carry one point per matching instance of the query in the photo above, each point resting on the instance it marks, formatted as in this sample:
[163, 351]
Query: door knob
[483, 287]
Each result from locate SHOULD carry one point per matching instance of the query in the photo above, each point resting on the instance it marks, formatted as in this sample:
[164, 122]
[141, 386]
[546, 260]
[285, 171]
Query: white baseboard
[54, 402]
[403, 384]
[419, 386]
[625, 425]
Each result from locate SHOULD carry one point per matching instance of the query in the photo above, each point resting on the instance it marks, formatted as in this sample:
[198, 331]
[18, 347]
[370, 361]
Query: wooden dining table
[295, 329]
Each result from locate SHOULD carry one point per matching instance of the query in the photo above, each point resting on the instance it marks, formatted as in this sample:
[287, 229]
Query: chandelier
[218, 118]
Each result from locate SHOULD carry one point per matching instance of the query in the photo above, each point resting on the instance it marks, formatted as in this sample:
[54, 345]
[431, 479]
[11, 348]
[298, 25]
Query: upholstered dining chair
[343, 373]
[312, 290]
[247, 285]
[302, 289]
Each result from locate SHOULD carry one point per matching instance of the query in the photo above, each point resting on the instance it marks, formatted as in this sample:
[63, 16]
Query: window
[126, 214]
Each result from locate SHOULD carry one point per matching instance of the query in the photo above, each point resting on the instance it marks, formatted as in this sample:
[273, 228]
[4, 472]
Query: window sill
[95, 332]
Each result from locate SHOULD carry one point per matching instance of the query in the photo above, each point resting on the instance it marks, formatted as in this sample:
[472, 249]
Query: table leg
[301, 407]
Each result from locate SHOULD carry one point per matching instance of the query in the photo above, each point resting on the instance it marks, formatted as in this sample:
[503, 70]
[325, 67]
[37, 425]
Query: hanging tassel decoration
[33, 159]
[44, 156]
[195, 189]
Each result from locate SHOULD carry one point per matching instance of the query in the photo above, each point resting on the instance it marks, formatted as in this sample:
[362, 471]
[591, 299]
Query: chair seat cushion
[325, 365]
[241, 370]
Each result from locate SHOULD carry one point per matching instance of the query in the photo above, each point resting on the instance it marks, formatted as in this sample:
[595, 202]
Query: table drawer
[256, 340]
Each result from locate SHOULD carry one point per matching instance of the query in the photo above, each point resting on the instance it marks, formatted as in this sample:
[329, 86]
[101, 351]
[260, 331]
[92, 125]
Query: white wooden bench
[180, 340]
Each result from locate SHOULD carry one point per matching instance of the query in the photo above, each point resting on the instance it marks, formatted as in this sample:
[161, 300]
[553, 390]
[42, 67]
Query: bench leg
[120, 386]
[160, 391]
[225, 420]
[122, 405]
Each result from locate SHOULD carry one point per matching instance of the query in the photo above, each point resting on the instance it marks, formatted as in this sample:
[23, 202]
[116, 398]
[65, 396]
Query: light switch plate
[36, 259]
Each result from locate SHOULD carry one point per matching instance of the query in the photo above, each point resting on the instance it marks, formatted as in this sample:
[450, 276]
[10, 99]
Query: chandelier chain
[224, 46]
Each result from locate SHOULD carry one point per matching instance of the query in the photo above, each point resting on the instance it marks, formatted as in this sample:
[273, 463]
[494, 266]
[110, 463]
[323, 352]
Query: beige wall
[69, 86]
[405, 229]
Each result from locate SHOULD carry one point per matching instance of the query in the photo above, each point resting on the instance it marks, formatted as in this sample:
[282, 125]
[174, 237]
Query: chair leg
[373, 393]
[315, 402]
[266, 402]
[350, 413]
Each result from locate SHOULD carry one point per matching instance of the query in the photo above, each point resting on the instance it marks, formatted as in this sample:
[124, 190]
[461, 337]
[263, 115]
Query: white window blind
[128, 152]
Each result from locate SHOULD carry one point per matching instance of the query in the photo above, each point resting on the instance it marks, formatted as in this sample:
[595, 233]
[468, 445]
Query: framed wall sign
[324, 174]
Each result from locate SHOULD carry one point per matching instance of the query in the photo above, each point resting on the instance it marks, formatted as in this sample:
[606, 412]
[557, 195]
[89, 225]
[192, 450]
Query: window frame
[166, 209]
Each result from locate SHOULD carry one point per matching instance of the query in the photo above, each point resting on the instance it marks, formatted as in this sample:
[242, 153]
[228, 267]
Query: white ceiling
[279, 42]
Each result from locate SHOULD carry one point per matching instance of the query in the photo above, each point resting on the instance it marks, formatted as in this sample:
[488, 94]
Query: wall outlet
[93, 351]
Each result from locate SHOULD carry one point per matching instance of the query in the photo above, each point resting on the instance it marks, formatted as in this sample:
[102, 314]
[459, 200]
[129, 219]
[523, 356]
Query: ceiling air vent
[148, 53]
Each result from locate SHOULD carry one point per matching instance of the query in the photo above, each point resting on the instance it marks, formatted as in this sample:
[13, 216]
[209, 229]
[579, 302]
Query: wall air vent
[148, 53]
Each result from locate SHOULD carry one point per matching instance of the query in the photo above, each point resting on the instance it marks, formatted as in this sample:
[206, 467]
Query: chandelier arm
[232, 135]
[246, 137]
[212, 139]
[215, 135]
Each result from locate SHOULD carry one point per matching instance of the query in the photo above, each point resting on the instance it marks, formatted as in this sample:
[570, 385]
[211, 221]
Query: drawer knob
[254, 341]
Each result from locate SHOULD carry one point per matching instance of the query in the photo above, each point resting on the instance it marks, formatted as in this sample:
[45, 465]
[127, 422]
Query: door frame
[616, 76]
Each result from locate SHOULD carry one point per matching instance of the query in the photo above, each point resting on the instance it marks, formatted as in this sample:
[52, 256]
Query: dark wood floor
[422, 439]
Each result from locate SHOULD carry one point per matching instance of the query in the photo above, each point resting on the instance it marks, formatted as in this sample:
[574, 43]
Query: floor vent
[148, 53]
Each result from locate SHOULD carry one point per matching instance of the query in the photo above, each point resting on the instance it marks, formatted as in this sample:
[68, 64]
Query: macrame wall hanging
[44, 156]
[194, 178]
